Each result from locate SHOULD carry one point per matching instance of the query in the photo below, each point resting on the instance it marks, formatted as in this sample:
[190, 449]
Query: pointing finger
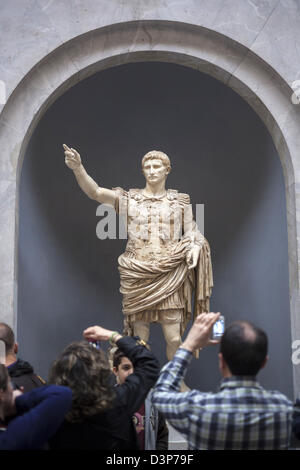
[74, 152]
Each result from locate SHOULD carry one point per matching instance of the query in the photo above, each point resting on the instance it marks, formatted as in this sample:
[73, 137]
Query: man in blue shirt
[241, 415]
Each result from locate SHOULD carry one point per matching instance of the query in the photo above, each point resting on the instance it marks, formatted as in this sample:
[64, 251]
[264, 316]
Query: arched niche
[192, 46]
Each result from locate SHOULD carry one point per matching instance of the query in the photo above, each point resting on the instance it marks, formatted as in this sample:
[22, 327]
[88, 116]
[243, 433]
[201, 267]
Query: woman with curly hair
[86, 371]
[100, 416]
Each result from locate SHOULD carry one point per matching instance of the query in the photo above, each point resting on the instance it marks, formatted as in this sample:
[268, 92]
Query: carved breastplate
[154, 224]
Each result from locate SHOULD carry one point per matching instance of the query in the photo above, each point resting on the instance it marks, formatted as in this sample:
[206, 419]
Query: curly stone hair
[85, 370]
[157, 154]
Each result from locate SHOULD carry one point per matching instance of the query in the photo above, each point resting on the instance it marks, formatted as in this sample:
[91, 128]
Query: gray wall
[221, 154]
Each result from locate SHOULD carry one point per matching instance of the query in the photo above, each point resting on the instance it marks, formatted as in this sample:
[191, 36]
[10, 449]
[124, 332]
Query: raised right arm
[132, 393]
[86, 183]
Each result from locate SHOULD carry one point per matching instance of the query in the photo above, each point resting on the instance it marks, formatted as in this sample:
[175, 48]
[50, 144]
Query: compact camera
[218, 328]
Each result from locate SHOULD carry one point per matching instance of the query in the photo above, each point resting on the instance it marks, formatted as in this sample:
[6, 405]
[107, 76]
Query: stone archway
[192, 46]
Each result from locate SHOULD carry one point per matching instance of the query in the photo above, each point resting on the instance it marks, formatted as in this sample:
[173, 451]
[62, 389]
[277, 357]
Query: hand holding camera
[205, 331]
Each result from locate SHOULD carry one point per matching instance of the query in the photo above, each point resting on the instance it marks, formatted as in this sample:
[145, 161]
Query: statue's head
[157, 155]
[156, 166]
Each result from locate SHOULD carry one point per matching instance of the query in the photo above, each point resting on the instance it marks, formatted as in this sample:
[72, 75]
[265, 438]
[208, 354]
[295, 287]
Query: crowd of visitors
[87, 405]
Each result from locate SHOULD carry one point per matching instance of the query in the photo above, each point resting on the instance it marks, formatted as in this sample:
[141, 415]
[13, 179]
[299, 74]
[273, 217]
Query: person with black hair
[242, 414]
[244, 349]
[21, 372]
[151, 428]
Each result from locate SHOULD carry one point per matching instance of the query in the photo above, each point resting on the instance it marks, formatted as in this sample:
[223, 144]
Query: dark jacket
[156, 432]
[22, 375]
[114, 428]
[39, 414]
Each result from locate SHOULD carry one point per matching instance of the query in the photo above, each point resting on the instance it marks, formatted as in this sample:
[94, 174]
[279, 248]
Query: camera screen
[219, 327]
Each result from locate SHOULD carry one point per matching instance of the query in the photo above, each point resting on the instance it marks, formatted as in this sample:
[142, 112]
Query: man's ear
[115, 371]
[224, 369]
[16, 348]
[221, 361]
[265, 362]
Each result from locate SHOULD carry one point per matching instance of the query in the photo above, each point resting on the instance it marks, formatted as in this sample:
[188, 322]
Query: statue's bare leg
[170, 322]
[141, 329]
[172, 336]
[171, 326]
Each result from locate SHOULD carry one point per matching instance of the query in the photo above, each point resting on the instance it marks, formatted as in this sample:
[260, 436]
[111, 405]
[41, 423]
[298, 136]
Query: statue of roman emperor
[166, 259]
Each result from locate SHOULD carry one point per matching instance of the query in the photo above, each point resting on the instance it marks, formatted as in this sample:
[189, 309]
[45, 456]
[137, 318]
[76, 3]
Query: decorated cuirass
[154, 224]
[153, 269]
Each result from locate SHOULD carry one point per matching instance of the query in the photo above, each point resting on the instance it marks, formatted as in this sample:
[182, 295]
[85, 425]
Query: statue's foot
[184, 387]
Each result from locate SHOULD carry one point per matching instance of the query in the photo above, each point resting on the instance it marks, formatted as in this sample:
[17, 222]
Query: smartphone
[218, 328]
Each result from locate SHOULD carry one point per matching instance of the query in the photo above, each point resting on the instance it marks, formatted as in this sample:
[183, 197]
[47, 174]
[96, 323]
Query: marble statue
[166, 257]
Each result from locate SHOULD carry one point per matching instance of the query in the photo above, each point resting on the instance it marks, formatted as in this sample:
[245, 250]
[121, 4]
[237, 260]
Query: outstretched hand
[200, 332]
[97, 333]
[72, 157]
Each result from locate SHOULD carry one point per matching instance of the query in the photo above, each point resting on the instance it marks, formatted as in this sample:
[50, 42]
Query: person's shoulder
[135, 194]
[278, 397]
[174, 194]
[135, 190]
[56, 389]
[120, 191]
[184, 198]
[20, 367]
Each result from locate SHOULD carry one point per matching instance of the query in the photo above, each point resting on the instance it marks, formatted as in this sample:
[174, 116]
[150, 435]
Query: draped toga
[154, 274]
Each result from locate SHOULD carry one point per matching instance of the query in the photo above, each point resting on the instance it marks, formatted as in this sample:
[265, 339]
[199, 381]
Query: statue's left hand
[192, 257]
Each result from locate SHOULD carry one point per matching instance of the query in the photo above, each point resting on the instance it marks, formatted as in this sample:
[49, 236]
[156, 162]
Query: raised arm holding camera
[242, 414]
[101, 414]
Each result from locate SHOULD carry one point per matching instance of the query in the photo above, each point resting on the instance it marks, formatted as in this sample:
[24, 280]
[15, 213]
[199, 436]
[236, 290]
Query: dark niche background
[221, 154]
